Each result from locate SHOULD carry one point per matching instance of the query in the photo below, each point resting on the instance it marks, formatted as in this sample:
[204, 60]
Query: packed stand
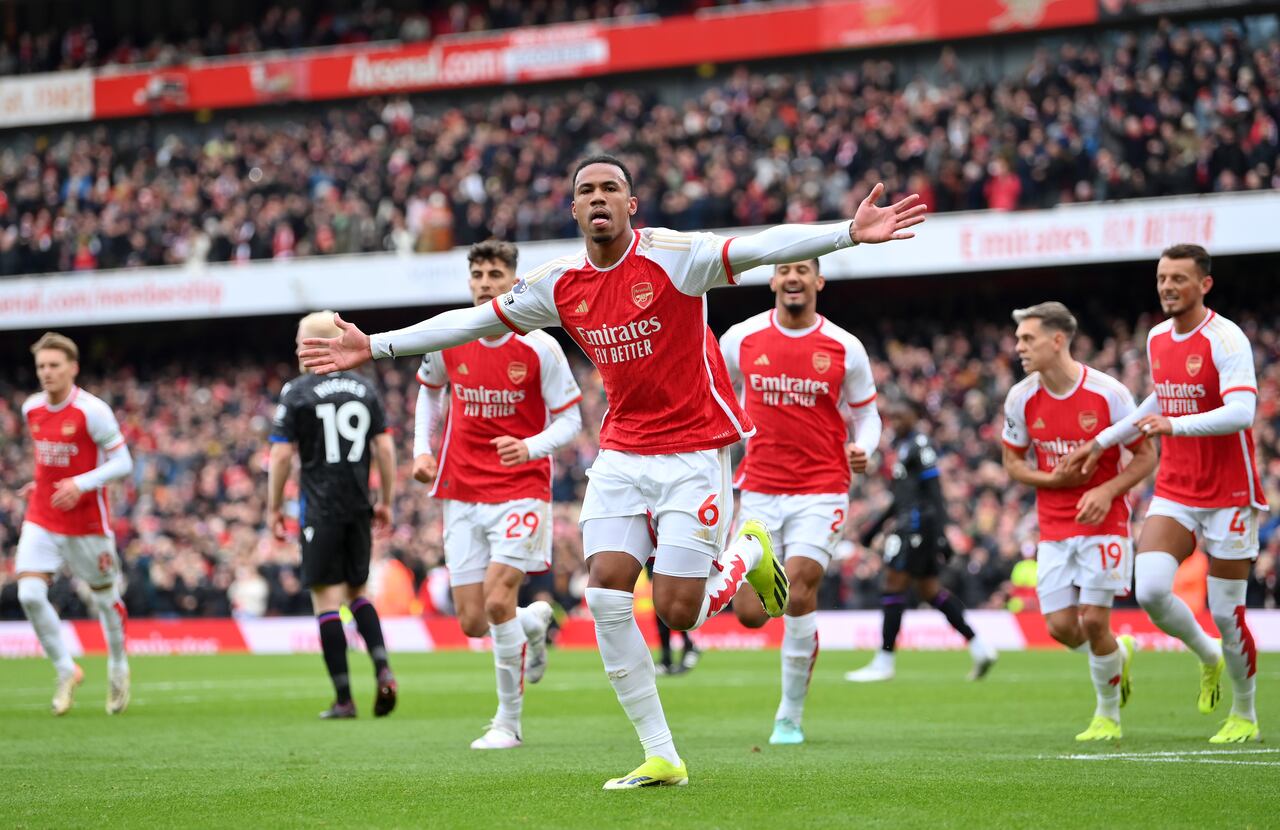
[1173, 112]
[286, 27]
[189, 519]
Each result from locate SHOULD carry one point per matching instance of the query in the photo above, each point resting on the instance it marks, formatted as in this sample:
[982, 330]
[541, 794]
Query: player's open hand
[1093, 506]
[1154, 425]
[348, 350]
[425, 468]
[382, 520]
[65, 494]
[857, 457]
[275, 521]
[511, 451]
[873, 224]
[1083, 460]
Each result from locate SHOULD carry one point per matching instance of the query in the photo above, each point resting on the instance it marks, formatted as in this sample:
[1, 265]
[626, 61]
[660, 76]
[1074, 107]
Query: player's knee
[1152, 595]
[751, 617]
[679, 617]
[1096, 626]
[474, 625]
[499, 607]
[609, 606]
[32, 591]
[1064, 632]
[803, 599]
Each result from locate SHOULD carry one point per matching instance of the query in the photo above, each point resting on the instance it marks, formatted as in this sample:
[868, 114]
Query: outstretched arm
[353, 347]
[792, 243]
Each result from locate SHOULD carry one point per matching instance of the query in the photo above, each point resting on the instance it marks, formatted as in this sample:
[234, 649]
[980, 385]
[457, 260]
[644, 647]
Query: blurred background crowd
[1172, 109]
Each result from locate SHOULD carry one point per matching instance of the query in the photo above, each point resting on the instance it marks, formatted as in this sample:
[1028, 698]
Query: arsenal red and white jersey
[643, 323]
[509, 386]
[1052, 427]
[798, 387]
[1192, 373]
[70, 438]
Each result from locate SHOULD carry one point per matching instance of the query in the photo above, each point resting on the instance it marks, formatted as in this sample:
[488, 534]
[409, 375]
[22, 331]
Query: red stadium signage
[567, 51]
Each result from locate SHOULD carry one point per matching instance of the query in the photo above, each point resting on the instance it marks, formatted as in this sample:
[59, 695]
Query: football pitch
[233, 741]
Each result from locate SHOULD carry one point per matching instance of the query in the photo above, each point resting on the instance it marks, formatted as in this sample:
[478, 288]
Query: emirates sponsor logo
[619, 344]
[1195, 363]
[517, 372]
[55, 453]
[762, 360]
[1053, 451]
[821, 362]
[642, 294]
[483, 402]
[1088, 420]
[1180, 398]
[784, 390]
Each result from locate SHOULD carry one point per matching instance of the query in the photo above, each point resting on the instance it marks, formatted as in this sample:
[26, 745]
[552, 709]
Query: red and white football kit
[72, 440]
[672, 413]
[1207, 483]
[514, 385]
[1076, 563]
[801, 388]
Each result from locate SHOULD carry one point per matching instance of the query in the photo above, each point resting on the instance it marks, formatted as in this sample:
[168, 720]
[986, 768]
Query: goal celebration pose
[634, 301]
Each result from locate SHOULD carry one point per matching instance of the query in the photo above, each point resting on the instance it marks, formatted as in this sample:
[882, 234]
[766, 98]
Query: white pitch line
[1099, 756]
[1190, 756]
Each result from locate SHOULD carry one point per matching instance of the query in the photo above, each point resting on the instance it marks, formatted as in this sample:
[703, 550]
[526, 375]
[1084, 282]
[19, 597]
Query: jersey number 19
[351, 421]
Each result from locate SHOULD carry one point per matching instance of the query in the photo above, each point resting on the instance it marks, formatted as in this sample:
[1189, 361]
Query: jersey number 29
[351, 421]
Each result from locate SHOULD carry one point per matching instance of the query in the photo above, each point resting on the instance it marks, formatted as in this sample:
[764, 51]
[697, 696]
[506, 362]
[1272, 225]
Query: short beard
[794, 308]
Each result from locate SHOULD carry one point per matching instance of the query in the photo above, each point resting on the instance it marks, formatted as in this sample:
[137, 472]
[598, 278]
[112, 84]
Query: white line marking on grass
[1189, 756]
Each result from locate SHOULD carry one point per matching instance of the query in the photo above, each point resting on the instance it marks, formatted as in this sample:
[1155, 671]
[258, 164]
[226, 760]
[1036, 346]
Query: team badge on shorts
[517, 371]
[1194, 363]
[1088, 420]
[821, 362]
[642, 294]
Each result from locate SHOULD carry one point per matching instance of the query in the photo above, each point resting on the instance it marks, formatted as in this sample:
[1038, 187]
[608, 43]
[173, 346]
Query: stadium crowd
[295, 26]
[190, 518]
[1174, 110]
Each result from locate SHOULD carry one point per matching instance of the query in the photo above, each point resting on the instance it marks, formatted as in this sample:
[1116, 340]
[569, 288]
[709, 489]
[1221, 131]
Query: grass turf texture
[233, 741]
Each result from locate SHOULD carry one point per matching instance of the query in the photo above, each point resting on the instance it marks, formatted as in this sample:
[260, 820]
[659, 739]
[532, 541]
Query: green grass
[232, 741]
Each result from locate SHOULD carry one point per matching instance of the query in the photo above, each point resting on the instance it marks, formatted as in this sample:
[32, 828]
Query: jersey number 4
[351, 421]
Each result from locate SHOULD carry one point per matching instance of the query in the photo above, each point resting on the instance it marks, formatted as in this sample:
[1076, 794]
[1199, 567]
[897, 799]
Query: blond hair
[318, 324]
[53, 340]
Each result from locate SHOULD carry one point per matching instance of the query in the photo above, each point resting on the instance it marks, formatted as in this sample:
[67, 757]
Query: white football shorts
[1224, 532]
[515, 533]
[92, 559]
[686, 497]
[1083, 570]
[806, 525]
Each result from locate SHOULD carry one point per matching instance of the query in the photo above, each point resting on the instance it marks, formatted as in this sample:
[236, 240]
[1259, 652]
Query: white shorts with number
[806, 525]
[90, 558]
[1083, 570]
[1224, 532]
[688, 496]
[516, 533]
